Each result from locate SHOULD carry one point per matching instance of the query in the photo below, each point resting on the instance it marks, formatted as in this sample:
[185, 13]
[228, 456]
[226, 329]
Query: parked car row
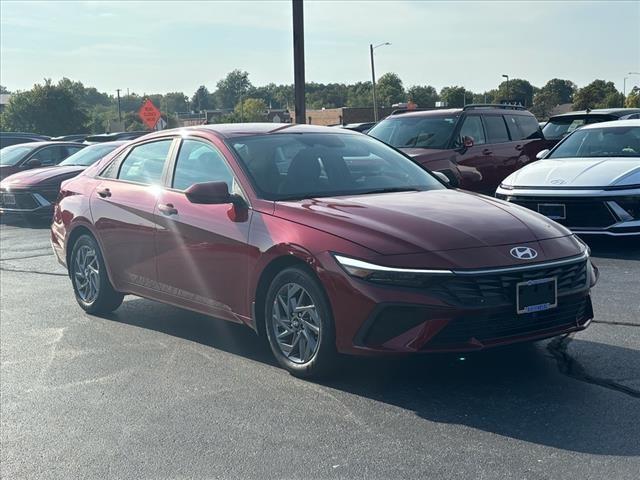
[33, 192]
[328, 241]
[13, 138]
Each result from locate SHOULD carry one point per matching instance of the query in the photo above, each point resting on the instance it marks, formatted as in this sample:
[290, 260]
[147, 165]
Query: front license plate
[8, 199]
[554, 211]
[537, 295]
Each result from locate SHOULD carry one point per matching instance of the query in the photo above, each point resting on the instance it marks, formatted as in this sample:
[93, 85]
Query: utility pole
[298, 61]
[119, 112]
[373, 79]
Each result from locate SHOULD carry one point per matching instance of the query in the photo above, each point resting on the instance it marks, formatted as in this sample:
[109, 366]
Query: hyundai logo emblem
[523, 253]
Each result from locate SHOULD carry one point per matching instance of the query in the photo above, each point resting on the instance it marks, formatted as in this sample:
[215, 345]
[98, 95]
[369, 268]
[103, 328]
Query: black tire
[325, 356]
[107, 298]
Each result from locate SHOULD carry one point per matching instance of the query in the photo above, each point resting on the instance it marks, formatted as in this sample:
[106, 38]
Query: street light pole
[119, 112]
[508, 92]
[373, 79]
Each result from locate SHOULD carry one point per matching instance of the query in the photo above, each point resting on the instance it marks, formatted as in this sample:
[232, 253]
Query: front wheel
[299, 324]
[91, 285]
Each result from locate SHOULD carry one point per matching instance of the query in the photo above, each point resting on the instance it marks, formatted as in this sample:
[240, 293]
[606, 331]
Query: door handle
[104, 192]
[518, 147]
[168, 209]
[486, 151]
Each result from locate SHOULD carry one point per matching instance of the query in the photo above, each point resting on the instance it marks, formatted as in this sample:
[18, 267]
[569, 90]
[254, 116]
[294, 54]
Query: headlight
[504, 186]
[405, 277]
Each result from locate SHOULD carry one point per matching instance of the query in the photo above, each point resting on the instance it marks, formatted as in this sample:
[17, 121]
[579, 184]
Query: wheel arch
[275, 266]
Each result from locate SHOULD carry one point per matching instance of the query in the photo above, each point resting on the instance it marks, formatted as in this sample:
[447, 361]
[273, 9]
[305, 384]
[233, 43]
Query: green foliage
[598, 94]
[251, 110]
[555, 92]
[633, 99]
[201, 100]
[424, 96]
[456, 97]
[229, 90]
[389, 90]
[3, 89]
[46, 108]
[518, 91]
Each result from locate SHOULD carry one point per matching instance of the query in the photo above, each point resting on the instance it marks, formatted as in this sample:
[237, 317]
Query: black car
[14, 138]
[359, 127]
[561, 125]
[114, 137]
[24, 156]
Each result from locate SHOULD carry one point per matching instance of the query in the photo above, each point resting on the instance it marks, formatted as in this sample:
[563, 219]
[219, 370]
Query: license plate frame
[8, 199]
[554, 211]
[536, 295]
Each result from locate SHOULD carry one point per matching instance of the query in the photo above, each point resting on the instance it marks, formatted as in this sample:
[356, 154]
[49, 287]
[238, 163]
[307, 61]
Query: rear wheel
[93, 290]
[299, 324]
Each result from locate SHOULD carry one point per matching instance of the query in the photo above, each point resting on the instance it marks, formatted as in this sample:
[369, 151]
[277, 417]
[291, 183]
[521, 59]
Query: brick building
[344, 115]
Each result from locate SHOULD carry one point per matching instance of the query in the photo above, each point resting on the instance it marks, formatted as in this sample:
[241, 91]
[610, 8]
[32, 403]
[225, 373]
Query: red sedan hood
[38, 176]
[415, 222]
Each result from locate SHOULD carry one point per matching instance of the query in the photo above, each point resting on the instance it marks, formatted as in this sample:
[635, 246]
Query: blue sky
[161, 46]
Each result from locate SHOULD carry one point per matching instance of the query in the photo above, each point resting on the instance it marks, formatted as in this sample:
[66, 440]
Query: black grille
[570, 312]
[24, 201]
[500, 288]
[580, 213]
[392, 321]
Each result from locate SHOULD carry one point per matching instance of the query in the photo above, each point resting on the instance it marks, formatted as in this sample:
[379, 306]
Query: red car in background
[33, 192]
[324, 240]
[476, 147]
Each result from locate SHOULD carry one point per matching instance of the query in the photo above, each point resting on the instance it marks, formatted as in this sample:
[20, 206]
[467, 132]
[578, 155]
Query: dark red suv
[476, 147]
[322, 239]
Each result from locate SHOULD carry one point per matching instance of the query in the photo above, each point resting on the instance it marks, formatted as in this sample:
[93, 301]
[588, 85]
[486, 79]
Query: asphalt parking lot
[153, 391]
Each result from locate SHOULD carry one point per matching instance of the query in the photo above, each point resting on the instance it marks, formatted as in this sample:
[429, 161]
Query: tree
[251, 110]
[598, 94]
[47, 109]
[389, 90]
[201, 100]
[229, 90]
[456, 97]
[516, 91]
[3, 89]
[424, 96]
[359, 95]
[555, 92]
[633, 99]
[176, 102]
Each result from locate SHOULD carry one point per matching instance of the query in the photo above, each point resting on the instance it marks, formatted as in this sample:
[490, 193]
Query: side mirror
[541, 154]
[467, 141]
[443, 178]
[211, 193]
[33, 163]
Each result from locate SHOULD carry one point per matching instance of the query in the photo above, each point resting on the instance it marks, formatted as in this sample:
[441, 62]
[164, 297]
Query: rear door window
[496, 129]
[522, 127]
[145, 163]
[472, 127]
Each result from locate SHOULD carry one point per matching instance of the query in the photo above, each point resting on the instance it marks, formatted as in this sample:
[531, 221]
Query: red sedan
[326, 241]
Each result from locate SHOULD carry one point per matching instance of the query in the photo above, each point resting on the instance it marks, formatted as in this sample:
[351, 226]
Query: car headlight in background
[402, 277]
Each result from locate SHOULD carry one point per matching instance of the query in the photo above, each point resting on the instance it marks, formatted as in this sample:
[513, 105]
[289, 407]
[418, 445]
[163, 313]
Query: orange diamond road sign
[149, 114]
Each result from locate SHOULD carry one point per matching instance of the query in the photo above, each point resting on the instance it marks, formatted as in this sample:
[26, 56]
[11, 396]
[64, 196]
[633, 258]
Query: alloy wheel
[296, 323]
[86, 273]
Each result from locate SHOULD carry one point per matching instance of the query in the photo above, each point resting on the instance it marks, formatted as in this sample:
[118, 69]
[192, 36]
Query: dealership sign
[149, 114]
